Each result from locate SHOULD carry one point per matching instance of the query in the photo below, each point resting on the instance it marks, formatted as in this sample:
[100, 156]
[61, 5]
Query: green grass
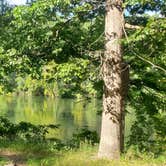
[86, 155]
[3, 161]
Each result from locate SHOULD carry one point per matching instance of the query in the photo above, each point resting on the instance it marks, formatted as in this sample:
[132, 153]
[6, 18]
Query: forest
[83, 82]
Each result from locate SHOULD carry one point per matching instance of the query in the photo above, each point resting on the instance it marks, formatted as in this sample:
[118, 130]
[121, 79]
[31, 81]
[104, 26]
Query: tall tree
[2, 6]
[115, 77]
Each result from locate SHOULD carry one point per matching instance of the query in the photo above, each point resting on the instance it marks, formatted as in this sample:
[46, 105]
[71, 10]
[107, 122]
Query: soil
[15, 159]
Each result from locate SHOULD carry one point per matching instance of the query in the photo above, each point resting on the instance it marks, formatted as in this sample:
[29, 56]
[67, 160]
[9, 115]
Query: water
[72, 115]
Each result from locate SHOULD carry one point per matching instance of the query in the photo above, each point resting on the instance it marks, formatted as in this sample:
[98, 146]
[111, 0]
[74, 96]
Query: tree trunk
[115, 76]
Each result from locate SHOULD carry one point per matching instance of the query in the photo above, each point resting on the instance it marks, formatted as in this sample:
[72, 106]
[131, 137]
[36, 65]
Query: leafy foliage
[146, 54]
[54, 48]
[83, 136]
[27, 132]
[23, 130]
[55, 38]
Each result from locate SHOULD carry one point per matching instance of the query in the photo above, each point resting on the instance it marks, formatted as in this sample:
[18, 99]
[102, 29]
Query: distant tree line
[4, 5]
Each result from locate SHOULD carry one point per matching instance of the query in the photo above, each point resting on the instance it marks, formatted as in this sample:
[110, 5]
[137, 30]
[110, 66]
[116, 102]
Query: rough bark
[115, 77]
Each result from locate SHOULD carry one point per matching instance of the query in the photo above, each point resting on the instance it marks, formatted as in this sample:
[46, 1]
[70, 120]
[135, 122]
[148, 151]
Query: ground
[84, 156]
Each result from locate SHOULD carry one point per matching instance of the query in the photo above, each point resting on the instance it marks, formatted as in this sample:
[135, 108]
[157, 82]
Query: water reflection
[70, 114]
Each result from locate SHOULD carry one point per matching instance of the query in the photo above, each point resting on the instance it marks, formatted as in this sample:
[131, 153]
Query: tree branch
[140, 57]
[129, 26]
[154, 65]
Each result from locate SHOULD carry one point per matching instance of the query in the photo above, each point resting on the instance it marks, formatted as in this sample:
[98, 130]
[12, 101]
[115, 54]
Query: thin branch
[140, 57]
[154, 65]
[96, 40]
[129, 26]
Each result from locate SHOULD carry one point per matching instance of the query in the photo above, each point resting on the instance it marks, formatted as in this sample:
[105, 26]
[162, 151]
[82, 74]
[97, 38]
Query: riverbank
[30, 154]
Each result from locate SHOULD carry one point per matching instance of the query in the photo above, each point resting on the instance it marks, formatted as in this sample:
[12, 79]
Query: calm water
[70, 114]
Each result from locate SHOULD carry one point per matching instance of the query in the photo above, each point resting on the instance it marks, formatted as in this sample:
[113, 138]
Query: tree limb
[140, 57]
[129, 26]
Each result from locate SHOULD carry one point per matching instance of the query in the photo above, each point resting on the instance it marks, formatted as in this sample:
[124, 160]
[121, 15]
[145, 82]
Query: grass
[3, 160]
[31, 154]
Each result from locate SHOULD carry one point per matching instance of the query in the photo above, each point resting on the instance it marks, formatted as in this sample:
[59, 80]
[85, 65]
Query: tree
[115, 77]
[29, 1]
[60, 43]
[3, 6]
[54, 39]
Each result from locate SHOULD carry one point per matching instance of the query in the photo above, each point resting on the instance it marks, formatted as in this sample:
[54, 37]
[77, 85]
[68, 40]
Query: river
[70, 114]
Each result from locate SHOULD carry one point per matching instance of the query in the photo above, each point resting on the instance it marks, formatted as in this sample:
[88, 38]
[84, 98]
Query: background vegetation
[54, 48]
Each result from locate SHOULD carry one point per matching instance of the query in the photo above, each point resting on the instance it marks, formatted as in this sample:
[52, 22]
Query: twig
[96, 40]
[154, 65]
